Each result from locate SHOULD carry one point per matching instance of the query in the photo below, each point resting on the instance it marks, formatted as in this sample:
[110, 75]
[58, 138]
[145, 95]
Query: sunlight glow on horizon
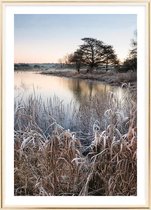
[47, 38]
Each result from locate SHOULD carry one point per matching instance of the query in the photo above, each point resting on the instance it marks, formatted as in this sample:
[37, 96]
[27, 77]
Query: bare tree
[92, 52]
[66, 59]
[131, 62]
[61, 62]
[133, 52]
[76, 58]
[110, 58]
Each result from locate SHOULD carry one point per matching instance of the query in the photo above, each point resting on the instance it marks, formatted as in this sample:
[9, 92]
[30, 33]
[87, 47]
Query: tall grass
[92, 151]
[126, 77]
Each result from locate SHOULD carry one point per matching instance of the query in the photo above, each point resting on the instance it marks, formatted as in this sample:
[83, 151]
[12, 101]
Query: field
[92, 151]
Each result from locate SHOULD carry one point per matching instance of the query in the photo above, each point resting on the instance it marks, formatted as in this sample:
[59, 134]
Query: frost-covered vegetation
[92, 151]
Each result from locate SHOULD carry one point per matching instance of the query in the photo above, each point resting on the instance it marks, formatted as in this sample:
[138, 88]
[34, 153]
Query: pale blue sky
[46, 38]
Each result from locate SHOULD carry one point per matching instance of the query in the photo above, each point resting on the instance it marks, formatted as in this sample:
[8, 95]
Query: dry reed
[52, 161]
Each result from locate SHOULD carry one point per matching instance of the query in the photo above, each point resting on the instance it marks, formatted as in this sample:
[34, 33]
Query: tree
[66, 59]
[92, 52]
[76, 58]
[133, 52]
[110, 58]
[131, 62]
[61, 62]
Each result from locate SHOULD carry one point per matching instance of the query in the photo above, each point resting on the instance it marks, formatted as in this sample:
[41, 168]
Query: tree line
[94, 54]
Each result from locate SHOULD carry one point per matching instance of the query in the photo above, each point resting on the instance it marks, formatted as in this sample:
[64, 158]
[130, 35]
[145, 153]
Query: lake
[73, 103]
[66, 89]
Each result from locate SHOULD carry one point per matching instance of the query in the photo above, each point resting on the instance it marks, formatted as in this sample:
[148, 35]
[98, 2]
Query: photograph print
[75, 105]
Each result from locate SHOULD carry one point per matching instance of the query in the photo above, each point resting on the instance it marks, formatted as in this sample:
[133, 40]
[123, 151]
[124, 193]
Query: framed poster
[75, 105]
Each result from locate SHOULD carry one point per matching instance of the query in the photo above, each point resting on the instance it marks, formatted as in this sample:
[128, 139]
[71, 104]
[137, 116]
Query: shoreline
[110, 78]
[128, 79]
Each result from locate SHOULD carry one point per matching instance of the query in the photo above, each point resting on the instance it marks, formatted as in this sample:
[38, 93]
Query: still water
[67, 90]
[74, 104]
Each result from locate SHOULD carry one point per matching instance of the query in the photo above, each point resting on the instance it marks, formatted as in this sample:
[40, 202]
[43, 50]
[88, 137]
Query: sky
[45, 38]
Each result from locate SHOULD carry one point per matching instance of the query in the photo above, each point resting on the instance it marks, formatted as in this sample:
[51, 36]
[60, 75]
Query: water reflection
[87, 89]
[67, 90]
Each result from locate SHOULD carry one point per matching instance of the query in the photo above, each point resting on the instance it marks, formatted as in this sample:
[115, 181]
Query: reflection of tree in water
[93, 101]
[87, 89]
[75, 87]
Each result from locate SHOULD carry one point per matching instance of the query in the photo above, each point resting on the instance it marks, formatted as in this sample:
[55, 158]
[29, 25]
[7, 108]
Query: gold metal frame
[147, 4]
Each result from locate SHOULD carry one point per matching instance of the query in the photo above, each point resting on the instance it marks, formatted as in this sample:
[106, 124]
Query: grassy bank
[112, 78]
[96, 154]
